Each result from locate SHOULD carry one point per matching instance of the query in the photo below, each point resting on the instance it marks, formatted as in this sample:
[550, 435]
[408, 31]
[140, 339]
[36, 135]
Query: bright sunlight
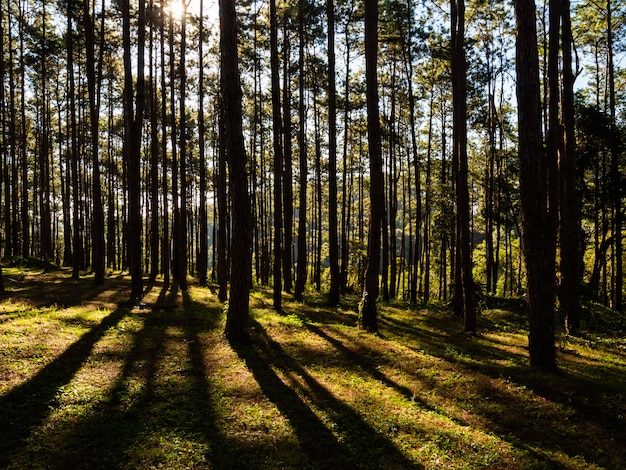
[178, 8]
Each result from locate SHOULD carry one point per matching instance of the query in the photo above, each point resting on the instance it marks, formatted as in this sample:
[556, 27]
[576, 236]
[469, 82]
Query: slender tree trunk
[133, 119]
[278, 157]
[537, 237]
[368, 312]
[222, 202]
[154, 162]
[77, 258]
[333, 244]
[97, 221]
[288, 154]
[237, 316]
[165, 241]
[203, 254]
[568, 191]
[459, 96]
[24, 213]
[615, 171]
[345, 204]
[182, 222]
[301, 264]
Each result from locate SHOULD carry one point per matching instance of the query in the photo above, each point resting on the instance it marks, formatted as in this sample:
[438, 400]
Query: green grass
[86, 383]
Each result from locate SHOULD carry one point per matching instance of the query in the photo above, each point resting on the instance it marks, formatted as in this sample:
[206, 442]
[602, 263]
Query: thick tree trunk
[133, 118]
[537, 237]
[368, 312]
[237, 316]
[459, 96]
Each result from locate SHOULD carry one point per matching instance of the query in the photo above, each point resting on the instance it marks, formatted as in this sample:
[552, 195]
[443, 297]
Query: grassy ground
[86, 382]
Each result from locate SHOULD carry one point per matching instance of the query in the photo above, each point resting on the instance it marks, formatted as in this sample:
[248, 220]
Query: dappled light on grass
[93, 387]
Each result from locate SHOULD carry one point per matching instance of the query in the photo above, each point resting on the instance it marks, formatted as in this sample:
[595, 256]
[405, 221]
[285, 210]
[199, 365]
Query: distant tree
[237, 316]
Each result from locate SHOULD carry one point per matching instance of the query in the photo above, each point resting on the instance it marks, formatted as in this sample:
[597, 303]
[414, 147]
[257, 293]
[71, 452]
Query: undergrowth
[87, 382]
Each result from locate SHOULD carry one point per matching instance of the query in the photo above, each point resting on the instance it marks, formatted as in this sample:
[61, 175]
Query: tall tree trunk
[97, 221]
[182, 220]
[154, 161]
[165, 241]
[345, 198]
[537, 237]
[278, 157]
[203, 254]
[303, 159]
[77, 248]
[615, 170]
[133, 120]
[222, 208]
[459, 138]
[333, 245]
[237, 317]
[568, 191]
[288, 154]
[368, 312]
[25, 207]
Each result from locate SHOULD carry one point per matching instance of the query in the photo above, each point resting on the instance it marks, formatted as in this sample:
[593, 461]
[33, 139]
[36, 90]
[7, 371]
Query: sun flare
[178, 8]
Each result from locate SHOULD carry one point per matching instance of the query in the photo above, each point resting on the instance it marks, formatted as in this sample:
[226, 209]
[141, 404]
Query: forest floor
[88, 383]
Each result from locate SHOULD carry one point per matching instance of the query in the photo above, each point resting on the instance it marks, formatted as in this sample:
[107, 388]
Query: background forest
[68, 67]
[200, 207]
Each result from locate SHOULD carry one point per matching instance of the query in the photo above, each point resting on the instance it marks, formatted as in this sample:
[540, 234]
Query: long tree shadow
[40, 291]
[583, 398]
[360, 446]
[158, 408]
[27, 405]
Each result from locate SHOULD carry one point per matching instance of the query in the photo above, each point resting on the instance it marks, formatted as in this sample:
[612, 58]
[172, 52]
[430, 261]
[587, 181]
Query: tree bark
[536, 235]
[237, 316]
[278, 157]
[133, 118]
[459, 138]
[97, 221]
[368, 311]
[569, 295]
[333, 245]
[301, 264]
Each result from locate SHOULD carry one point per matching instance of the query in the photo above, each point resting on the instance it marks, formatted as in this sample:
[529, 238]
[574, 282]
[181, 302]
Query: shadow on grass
[27, 406]
[540, 414]
[353, 444]
[40, 290]
[159, 412]
[565, 406]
